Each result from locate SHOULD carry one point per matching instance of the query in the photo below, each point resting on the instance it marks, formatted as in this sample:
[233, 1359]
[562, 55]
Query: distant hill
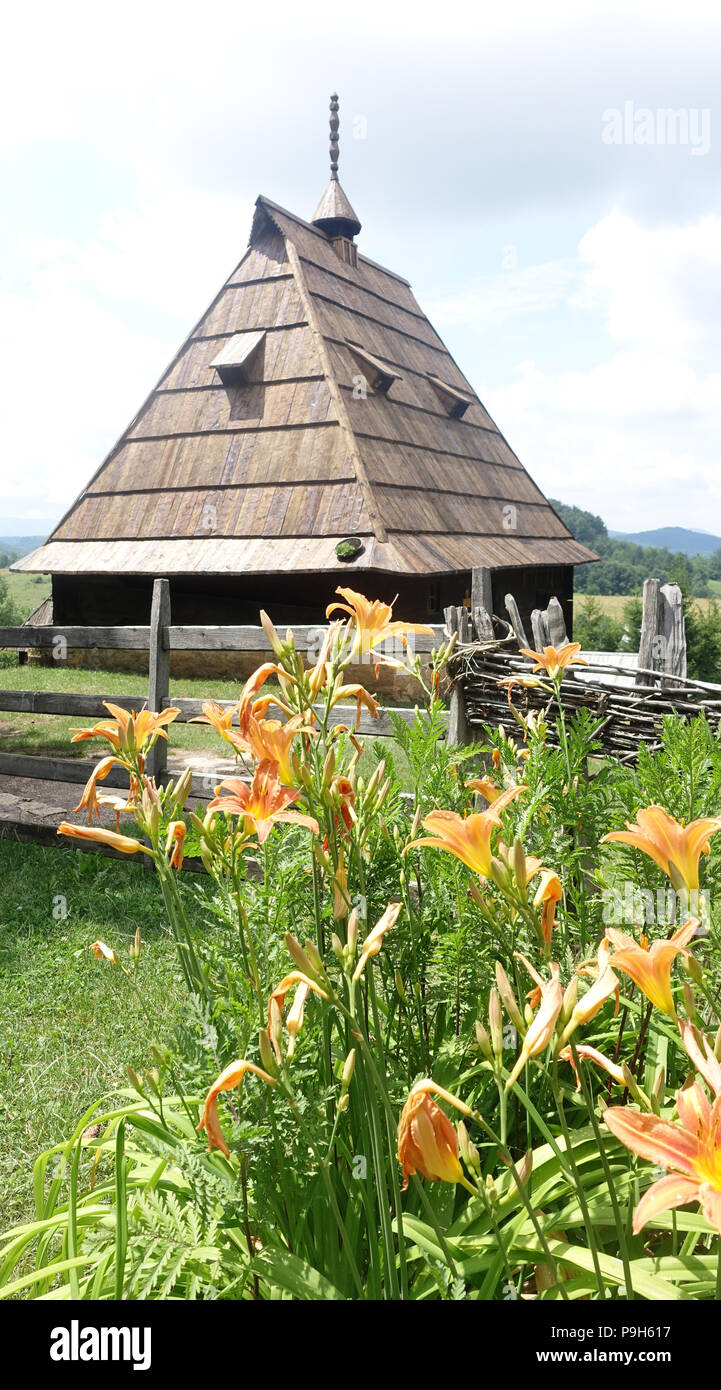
[21, 545]
[677, 539]
[626, 561]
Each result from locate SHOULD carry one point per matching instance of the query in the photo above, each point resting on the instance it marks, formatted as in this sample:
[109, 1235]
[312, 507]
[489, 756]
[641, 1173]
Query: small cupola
[334, 214]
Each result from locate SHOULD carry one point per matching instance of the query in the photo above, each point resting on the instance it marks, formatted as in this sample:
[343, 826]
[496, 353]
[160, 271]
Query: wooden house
[312, 431]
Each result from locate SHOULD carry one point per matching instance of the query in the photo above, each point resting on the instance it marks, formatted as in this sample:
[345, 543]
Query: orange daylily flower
[676, 848]
[700, 1052]
[221, 720]
[374, 940]
[89, 798]
[319, 675]
[467, 837]
[277, 1000]
[227, 1081]
[176, 838]
[247, 704]
[690, 1148]
[373, 625]
[129, 733]
[606, 984]
[97, 835]
[103, 952]
[361, 697]
[591, 1054]
[548, 893]
[341, 899]
[555, 660]
[427, 1141]
[543, 1025]
[271, 741]
[261, 804]
[651, 970]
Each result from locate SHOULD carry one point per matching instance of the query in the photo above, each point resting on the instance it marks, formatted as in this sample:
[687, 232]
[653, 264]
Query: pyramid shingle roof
[266, 471]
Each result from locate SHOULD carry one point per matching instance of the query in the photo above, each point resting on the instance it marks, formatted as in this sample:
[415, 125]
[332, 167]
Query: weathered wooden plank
[64, 638]
[60, 702]
[540, 630]
[459, 731]
[252, 639]
[159, 669]
[57, 769]
[648, 651]
[481, 588]
[515, 618]
[483, 624]
[342, 714]
[673, 631]
[556, 623]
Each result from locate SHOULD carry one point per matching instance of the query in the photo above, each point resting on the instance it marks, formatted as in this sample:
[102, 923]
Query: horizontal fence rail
[160, 638]
[180, 639]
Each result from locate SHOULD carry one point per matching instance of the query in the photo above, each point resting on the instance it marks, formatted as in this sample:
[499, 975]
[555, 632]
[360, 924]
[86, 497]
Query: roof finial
[334, 124]
[334, 214]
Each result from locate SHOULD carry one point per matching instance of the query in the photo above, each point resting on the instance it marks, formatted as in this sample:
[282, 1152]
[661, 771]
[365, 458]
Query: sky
[514, 162]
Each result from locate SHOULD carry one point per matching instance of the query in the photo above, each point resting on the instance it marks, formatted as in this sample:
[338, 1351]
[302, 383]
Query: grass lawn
[614, 604]
[69, 1024]
[51, 733]
[27, 591]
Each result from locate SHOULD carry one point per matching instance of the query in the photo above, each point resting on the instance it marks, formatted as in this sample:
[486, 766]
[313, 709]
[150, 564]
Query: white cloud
[635, 436]
[92, 326]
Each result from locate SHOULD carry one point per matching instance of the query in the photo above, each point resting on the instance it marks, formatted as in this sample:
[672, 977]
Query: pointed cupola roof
[334, 214]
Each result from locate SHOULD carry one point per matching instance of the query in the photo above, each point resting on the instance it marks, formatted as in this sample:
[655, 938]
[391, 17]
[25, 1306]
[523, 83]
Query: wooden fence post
[159, 670]
[650, 625]
[673, 631]
[481, 589]
[458, 730]
[516, 624]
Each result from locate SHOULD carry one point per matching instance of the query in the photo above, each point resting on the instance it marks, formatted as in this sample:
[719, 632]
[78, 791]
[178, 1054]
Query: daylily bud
[717, 1045]
[495, 1020]
[518, 859]
[634, 1087]
[399, 986]
[182, 790]
[152, 1078]
[315, 958]
[416, 821]
[689, 1001]
[483, 1040]
[348, 1069]
[467, 1149]
[271, 633]
[352, 933]
[275, 1030]
[267, 1055]
[299, 955]
[509, 998]
[569, 999]
[135, 1080]
[659, 1086]
[321, 857]
[328, 770]
[337, 947]
[694, 968]
[135, 946]
[500, 874]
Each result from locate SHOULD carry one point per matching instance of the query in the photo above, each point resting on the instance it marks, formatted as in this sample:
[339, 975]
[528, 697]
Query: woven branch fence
[628, 699]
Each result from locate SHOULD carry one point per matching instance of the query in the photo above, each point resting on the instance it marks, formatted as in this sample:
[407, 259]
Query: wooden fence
[629, 696]
[159, 639]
